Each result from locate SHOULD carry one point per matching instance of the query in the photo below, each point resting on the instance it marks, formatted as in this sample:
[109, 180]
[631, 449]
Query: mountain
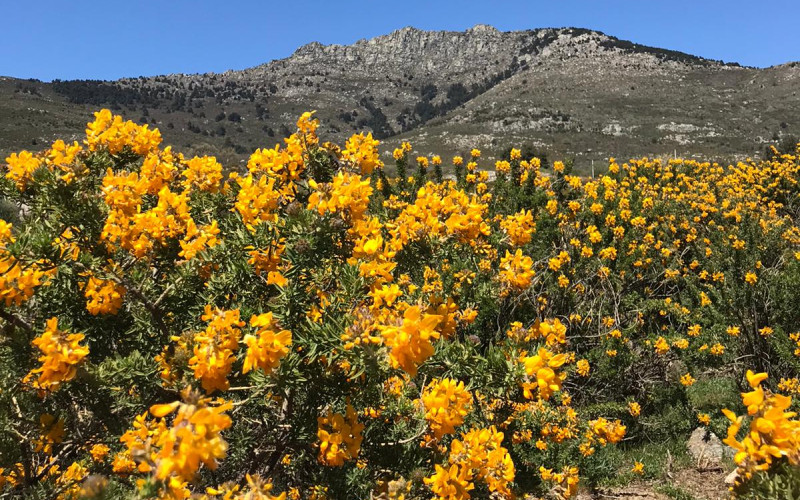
[570, 92]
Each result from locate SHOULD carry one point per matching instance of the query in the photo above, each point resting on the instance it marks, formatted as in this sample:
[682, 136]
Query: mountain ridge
[572, 92]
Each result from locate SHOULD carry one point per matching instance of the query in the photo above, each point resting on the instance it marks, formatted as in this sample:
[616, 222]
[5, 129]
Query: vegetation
[311, 328]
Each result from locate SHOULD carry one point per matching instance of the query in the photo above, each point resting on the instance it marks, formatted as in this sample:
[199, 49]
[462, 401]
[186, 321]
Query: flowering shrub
[316, 327]
[773, 438]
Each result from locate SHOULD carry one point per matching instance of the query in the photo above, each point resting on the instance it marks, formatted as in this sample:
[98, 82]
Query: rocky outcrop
[573, 92]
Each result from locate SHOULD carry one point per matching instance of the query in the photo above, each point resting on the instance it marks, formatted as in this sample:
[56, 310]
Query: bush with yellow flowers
[768, 455]
[321, 325]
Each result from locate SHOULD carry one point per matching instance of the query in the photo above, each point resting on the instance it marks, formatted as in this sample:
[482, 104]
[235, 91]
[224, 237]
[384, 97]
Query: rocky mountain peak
[483, 28]
[574, 92]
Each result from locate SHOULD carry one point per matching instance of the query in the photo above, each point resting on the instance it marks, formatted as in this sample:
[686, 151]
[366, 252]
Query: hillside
[570, 92]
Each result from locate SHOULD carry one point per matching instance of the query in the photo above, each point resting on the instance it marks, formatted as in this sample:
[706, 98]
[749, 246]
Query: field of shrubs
[324, 326]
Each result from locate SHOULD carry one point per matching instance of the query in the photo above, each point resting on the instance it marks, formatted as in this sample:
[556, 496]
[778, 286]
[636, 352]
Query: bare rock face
[706, 448]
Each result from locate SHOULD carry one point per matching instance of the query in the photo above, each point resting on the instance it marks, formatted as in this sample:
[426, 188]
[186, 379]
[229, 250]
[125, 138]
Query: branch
[16, 320]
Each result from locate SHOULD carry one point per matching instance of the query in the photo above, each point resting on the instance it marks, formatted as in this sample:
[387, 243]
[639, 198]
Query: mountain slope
[571, 92]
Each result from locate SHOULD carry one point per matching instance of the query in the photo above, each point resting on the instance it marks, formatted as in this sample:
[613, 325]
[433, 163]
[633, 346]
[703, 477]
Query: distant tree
[786, 144]
[457, 93]
[428, 91]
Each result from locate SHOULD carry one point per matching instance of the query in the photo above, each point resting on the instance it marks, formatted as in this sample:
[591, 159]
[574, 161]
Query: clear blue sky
[67, 39]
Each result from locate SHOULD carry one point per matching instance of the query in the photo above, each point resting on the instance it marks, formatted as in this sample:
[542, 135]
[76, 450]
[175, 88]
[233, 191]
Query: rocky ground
[698, 484]
[706, 478]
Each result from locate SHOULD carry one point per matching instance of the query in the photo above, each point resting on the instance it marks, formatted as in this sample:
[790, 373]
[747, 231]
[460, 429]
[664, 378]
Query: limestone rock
[706, 448]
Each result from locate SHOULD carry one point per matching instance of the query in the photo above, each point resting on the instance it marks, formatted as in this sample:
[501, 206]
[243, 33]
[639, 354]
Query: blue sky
[116, 38]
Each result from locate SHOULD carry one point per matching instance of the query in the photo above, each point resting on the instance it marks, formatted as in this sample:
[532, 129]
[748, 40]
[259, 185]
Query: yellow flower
[348, 195]
[340, 437]
[307, 126]
[638, 468]
[516, 270]
[717, 349]
[519, 227]
[450, 484]
[257, 200]
[61, 154]
[608, 253]
[540, 373]
[446, 402]
[99, 452]
[61, 354]
[774, 433]
[175, 452]
[198, 239]
[51, 432]
[21, 168]
[661, 346]
[681, 344]
[480, 451]
[410, 342]
[213, 349]
[104, 296]
[687, 379]
[110, 131]
[203, 173]
[267, 347]
[362, 151]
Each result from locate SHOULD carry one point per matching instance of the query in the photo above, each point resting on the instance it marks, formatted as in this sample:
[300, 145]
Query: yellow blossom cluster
[347, 195]
[339, 437]
[478, 456]
[774, 432]
[362, 151]
[61, 353]
[17, 279]
[103, 296]
[21, 168]
[410, 342]
[446, 402]
[519, 227]
[111, 132]
[214, 347]
[516, 270]
[541, 375]
[174, 451]
[565, 483]
[266, 347]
